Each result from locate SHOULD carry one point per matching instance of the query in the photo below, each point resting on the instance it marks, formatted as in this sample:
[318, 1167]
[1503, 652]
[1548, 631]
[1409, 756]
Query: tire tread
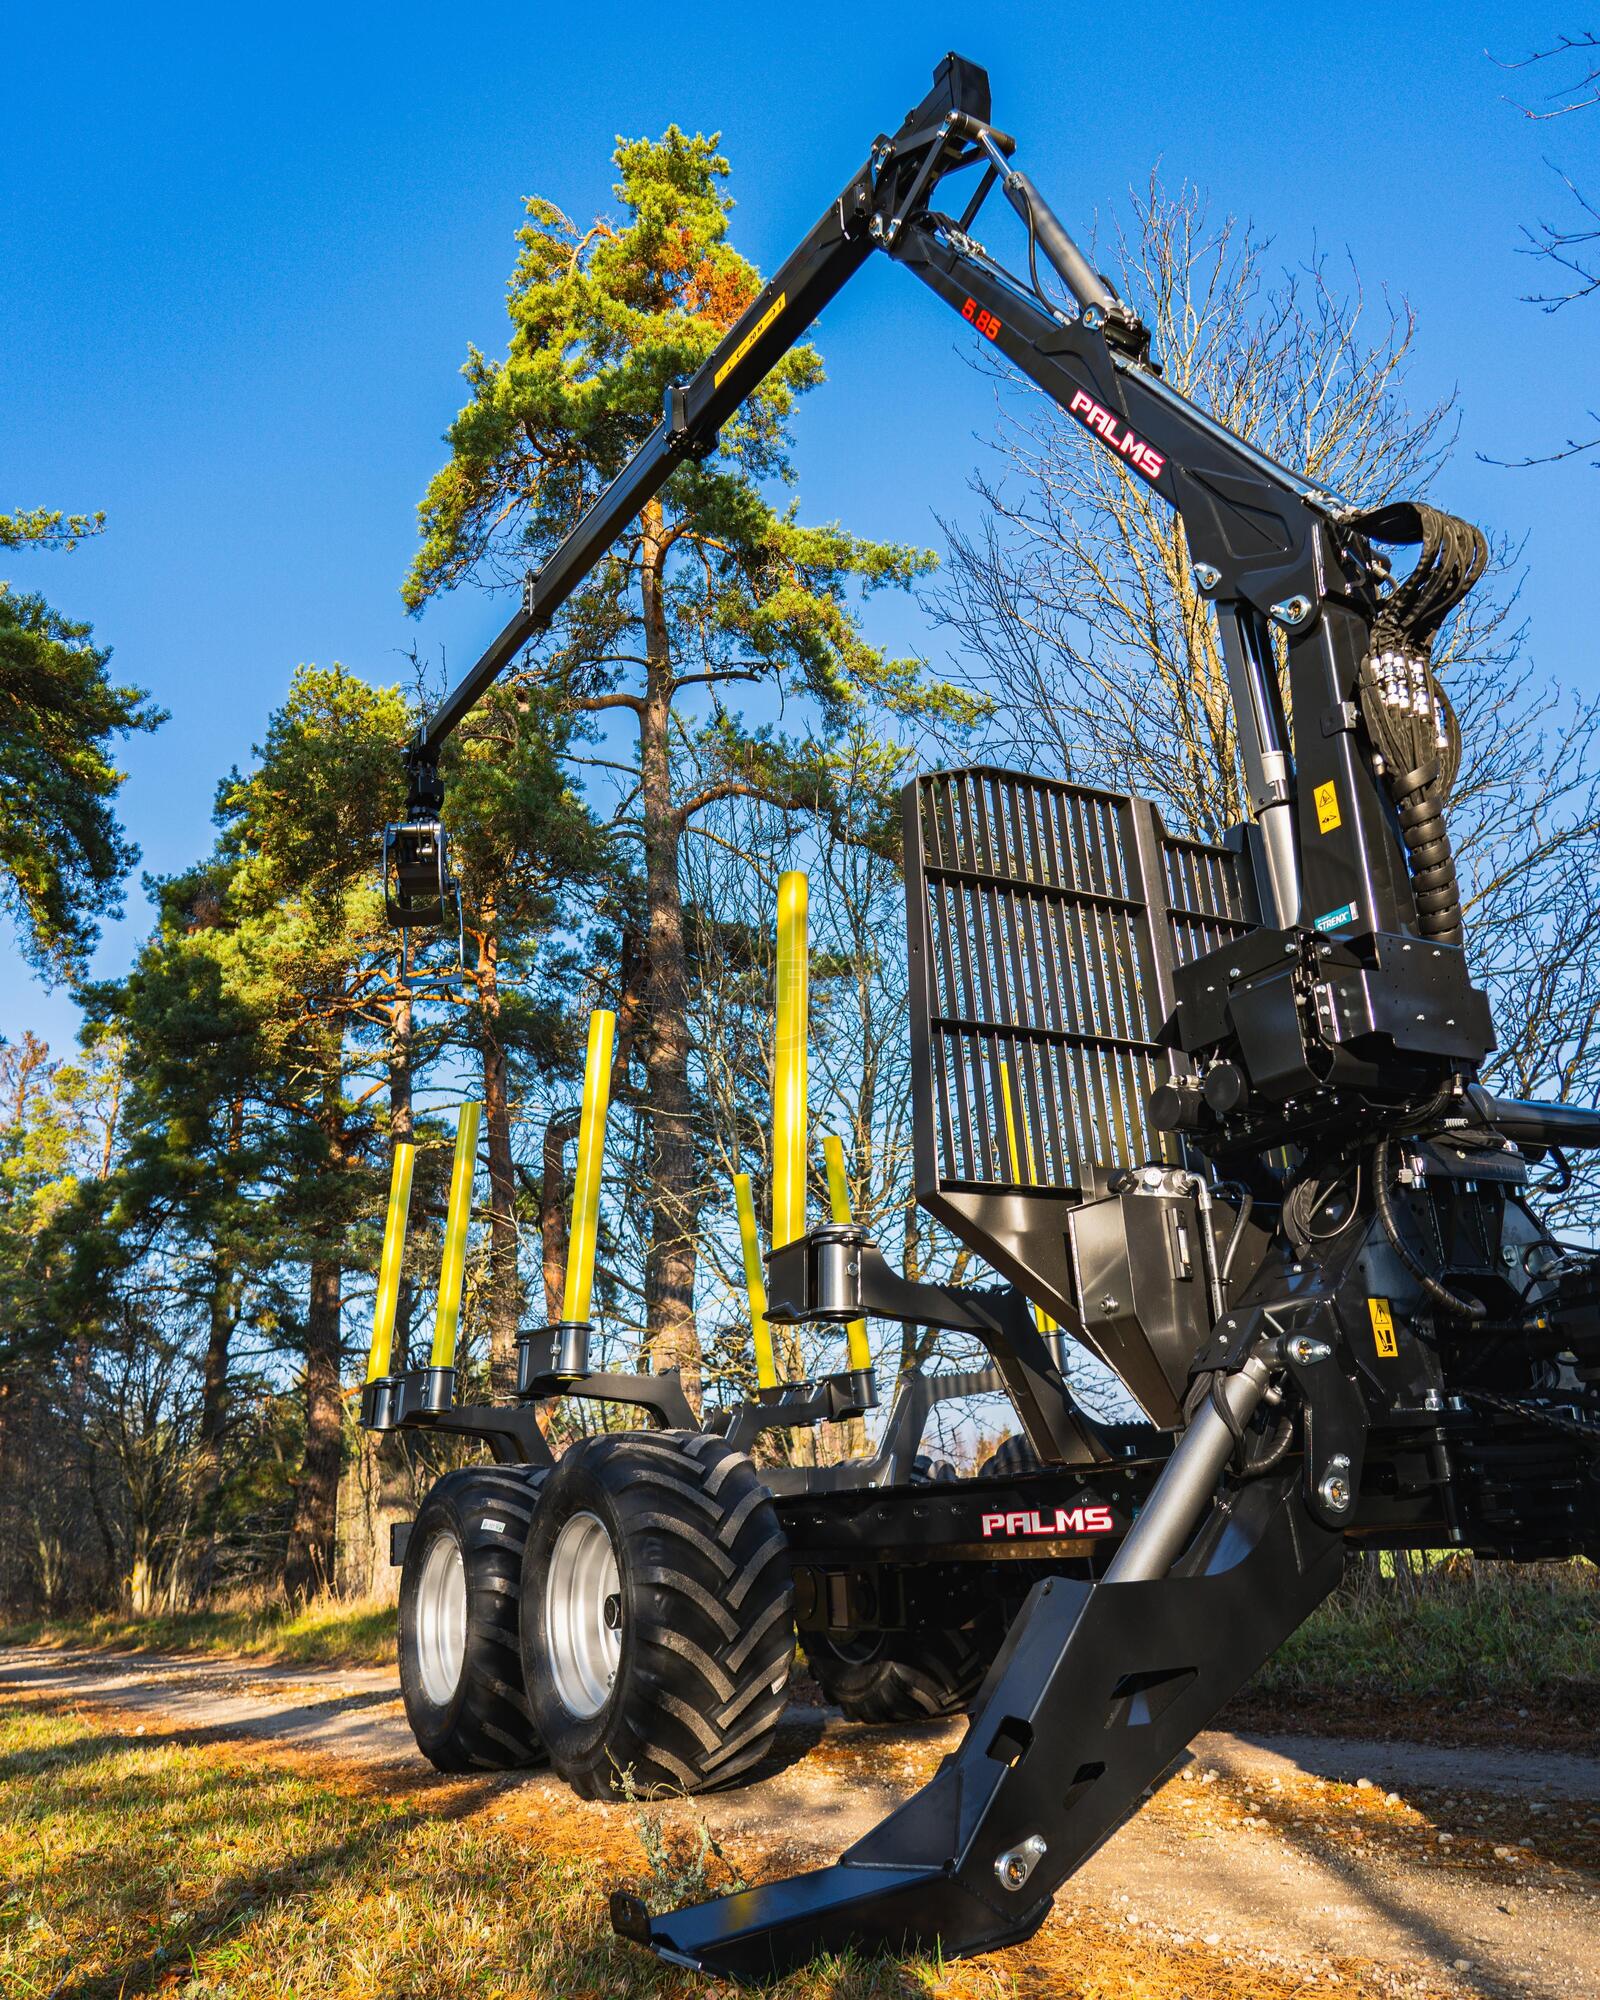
[489, 1726]
[709, 1601]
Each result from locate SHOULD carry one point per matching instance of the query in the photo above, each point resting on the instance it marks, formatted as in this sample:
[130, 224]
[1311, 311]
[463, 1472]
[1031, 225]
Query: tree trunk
[222, 1311]
[141, 1583]
[911, 1264]
[669, 1271]
[221, 1315]
[503, 1293]
[309, 1564]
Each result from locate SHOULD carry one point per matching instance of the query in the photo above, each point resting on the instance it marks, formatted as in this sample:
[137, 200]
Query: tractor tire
[898, 1676]
[657, 1615]
[1011, 1456]
[460, 1661]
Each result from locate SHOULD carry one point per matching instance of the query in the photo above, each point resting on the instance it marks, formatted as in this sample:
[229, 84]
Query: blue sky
[245, 251]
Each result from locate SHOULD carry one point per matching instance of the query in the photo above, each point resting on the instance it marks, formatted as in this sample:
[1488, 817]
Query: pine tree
[713, 590]
[63, 856]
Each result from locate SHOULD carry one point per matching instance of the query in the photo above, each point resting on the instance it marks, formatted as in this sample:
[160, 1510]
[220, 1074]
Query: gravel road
[1442, 1871]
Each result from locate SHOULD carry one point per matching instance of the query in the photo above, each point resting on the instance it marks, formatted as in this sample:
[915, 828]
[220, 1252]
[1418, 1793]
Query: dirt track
[1448, 1871]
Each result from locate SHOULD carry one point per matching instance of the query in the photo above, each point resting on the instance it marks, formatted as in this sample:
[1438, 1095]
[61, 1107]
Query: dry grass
[136, 1862]
[1457, 1627]
[326, 1631]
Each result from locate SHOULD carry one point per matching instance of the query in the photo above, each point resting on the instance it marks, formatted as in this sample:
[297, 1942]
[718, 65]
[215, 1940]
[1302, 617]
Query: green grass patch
[132, 1864]
[1455, 1629]
[328, 1631]
[1458, 1630]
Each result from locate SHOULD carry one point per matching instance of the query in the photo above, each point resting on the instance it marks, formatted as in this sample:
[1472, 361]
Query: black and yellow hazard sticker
[1327, 803]
[750, 339]
[1383, 1329]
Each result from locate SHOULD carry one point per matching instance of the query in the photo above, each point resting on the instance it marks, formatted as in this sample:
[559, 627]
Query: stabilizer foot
[1094, 1696]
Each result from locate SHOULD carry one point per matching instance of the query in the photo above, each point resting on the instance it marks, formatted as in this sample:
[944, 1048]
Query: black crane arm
[935, 137]
[1268, 546]
[886, 205]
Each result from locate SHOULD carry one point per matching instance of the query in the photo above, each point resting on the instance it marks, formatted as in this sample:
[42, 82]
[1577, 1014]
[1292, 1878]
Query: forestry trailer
[1209, 1112]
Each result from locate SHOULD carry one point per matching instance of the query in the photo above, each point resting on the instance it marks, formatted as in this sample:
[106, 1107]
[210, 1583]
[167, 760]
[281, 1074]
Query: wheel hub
[442, 1620]
[583, 1615]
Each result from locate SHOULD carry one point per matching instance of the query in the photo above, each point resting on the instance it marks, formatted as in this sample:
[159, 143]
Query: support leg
[1095, 1694]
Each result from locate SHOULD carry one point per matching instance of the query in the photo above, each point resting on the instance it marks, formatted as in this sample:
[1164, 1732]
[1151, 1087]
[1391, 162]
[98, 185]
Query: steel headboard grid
[1046, 919]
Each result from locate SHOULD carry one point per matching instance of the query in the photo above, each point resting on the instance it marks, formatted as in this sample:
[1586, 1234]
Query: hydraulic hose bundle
[1407, 712]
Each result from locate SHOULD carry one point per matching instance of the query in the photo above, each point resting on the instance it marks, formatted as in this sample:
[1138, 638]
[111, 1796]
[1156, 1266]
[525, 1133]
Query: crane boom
[1264, 541]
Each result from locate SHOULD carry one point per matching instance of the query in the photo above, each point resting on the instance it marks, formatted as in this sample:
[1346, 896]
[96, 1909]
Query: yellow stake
[839, 1205]
[1045, 1323]
[789, 1066]
[447, 1316]
[755, 1282]
[394, 1250]
[591, 1159]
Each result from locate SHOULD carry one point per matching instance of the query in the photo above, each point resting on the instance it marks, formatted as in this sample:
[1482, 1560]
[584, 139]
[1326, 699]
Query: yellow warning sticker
[1327, 798]
[1383, 1329]
[750, 339]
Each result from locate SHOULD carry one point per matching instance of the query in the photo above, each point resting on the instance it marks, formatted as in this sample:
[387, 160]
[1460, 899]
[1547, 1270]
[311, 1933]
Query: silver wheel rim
[442, 1620]
[583, 1650]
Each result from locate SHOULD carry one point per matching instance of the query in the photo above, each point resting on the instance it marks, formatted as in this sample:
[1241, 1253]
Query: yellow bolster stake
[447, 1315]
[394, 1250]
[1043, 1320]
[591, 1160]
[755, 1282]
[839, 1207]
[789, 1066]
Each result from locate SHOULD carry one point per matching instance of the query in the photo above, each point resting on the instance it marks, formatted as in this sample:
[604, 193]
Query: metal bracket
[554, 1361]
[416, 1401]
[916, 1396]
[831, 1400]
[837, 1273]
